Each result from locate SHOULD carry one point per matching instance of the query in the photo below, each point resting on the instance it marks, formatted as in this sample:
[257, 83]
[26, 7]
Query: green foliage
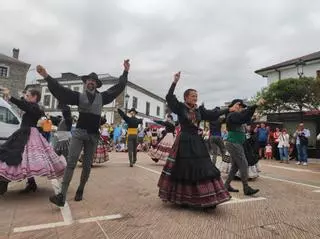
[291, 95]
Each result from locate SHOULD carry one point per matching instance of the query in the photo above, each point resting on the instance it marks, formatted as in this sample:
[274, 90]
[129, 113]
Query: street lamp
[300, 64]
[126, 99]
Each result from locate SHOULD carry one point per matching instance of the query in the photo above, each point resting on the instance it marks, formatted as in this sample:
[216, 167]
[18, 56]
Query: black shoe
[30, 187]
[209, 209]
[79, 195]
[231, 189]
[3, 187]
[250, 191]
[58, 200]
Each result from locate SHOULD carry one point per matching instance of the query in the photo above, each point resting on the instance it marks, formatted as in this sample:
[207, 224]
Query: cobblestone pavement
[122, 202]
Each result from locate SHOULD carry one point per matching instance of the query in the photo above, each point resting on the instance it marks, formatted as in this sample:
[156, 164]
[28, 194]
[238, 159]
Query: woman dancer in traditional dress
[161, 151]
[27, 153]
[189, 178]
[62, 137]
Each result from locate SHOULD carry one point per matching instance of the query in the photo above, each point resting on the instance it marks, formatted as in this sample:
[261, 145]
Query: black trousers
[132, 148]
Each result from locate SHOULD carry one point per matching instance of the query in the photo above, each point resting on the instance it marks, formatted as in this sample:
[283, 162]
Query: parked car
[9, 120]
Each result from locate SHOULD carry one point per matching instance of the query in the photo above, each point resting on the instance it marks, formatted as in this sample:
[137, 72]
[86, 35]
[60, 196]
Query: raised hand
[42, 71]
[126, 65]
[177, 77]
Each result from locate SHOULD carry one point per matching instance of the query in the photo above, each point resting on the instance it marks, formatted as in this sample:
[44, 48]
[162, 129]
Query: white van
[9, 120]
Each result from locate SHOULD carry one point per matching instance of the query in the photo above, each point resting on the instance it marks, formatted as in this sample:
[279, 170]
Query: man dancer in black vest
[133, 123]
[86, 134]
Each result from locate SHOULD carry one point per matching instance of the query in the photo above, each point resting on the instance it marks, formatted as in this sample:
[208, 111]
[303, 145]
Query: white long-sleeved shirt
[283, 140]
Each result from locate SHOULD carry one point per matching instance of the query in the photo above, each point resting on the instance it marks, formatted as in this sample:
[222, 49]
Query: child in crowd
[268, 151]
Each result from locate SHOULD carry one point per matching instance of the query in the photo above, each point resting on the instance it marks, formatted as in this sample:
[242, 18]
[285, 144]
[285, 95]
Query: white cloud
[216, 44]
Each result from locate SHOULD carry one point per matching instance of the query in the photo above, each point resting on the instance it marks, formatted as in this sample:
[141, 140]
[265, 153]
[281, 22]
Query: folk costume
[27, 153]
[162, 150]
[251, 156]
[133, 123]
[86, 134]
[61, 138]
[189, 177]
[235, 140]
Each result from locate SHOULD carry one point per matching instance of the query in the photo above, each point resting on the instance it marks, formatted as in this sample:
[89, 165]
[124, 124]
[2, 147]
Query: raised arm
[26, 106]
[63, 94]
[211, 115]
[171, 99]
[123, 115]
[112, 93]
[243, 116]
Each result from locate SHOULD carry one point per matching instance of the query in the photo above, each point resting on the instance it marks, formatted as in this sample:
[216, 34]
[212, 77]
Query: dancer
[133, 123]
[234, 144]
[161, 151]
[27, 153]
[251, 156]
[189, 177]
[86, 134]
[62, 137]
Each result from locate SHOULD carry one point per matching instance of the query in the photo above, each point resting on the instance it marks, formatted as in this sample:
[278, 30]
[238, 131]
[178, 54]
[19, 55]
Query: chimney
[15, 53]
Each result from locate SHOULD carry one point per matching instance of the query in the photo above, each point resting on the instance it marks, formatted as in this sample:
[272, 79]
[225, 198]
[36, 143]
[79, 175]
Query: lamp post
[300, 64]
[126, 99]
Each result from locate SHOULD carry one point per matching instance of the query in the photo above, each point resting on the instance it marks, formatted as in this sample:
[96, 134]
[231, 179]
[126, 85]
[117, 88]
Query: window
[134, 102]
[76, 88]
[7, 117]
[4, 71]
[158, 110]
[147, 108]
[47, 101]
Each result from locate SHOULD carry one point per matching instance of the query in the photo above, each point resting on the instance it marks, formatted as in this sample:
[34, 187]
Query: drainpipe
[279, 74]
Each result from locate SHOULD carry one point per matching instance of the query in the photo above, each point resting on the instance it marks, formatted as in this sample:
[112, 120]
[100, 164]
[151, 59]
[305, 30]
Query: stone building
[13, 72]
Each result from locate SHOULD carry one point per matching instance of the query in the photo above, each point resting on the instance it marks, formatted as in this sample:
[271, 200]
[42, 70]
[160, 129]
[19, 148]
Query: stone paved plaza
[122, 202]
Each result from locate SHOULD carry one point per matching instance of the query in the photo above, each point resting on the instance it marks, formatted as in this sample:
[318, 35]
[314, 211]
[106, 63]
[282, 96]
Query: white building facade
[307, 66]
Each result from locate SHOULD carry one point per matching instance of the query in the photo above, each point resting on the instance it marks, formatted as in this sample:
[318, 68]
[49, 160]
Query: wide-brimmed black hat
[92, 76]
[235, 101]
[133, 110]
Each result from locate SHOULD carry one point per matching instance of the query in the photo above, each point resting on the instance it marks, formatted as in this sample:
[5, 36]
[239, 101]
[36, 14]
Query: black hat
[235, 101]
[92, 76]
[133, 110]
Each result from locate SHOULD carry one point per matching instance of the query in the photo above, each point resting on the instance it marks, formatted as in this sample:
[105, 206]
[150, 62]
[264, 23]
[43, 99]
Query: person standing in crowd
[133, 123]
[189, 177]
[283, 146]
[86, 134]
[27, 153]
[47, 127]
[162, 150]
[302, 134]
[275, 143]
[236, 137]
[61, 139]
[262, 133]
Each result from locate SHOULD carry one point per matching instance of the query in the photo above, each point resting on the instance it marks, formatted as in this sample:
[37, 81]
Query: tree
[291, 95]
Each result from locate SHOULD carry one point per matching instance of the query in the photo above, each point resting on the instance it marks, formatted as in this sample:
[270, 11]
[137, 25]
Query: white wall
[309, 70]
[142, 99]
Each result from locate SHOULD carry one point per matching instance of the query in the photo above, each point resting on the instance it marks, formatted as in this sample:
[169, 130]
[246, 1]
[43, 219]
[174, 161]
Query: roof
[306, 58]
[11, 59]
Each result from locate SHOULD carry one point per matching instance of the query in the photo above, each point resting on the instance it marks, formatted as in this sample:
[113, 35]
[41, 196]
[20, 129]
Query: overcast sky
[217, 44]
